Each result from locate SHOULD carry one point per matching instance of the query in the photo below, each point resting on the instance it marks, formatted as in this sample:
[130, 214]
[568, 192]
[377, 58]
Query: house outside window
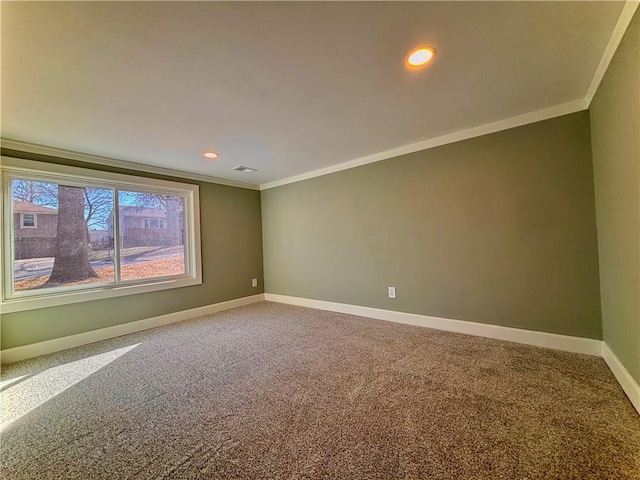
[128, 235]
[154, 223]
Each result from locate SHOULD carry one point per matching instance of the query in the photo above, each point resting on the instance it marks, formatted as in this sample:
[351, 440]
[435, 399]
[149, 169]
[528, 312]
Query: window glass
[74, 234]
[151, 242]
[59, 253]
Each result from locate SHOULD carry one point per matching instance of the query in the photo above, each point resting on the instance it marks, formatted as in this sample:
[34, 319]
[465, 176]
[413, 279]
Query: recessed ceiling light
[419, 57]
[242, 168]
[212, 155]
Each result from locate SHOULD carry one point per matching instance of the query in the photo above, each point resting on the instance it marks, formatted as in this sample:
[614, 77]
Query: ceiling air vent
[242, 168]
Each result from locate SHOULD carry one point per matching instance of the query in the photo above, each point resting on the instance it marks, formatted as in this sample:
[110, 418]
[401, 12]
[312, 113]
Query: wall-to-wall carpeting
[275, 391]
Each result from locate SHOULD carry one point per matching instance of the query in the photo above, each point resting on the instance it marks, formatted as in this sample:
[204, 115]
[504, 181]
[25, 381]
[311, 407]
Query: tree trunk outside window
[72, 243]
[173, 222]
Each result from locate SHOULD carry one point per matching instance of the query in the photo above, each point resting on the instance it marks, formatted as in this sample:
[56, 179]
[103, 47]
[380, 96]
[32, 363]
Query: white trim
[626, 15]
[588, 346]
[16, 354]
[626, 381]
[517, 121]
[619, 30]
[96, 159]
[11, 301]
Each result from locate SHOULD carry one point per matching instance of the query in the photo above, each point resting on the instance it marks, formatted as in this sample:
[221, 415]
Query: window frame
[35, 221]
[12, 301]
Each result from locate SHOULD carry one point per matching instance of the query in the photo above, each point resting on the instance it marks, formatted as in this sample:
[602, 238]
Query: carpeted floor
[274, 391]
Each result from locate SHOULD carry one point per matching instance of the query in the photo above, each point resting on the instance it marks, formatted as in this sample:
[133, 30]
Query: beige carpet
[273, 391]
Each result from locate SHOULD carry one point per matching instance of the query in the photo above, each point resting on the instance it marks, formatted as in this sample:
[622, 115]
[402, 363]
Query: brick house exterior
[34, 230]
[145, 227]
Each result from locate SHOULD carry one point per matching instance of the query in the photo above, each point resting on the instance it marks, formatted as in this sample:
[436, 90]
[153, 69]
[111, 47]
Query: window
[150, 240]
[28, 220]
[145, 253]
[154, 223]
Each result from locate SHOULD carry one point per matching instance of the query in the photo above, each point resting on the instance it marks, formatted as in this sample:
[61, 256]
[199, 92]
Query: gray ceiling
[283, 87]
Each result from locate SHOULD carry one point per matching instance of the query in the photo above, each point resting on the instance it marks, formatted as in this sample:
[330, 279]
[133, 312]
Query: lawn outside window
[72, 235]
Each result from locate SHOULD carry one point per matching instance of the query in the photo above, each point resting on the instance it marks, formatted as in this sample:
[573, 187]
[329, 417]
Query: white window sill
[18, 304]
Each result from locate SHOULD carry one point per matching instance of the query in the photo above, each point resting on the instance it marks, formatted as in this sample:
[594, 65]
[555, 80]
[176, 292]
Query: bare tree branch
[98, 204]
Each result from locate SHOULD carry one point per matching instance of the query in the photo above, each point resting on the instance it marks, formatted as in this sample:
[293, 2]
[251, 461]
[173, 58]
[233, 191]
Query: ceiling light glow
[212, 155]
[419, 57]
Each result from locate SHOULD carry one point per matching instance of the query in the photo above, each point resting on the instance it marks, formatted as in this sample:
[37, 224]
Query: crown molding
[517, 121]
[626, 15]
[111, 162]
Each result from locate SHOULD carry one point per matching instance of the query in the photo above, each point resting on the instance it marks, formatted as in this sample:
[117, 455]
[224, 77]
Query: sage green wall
[231, 256]
[615, 123]
[498, 229]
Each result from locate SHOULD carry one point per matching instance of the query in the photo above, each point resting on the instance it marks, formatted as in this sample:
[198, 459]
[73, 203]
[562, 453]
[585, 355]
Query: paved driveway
[36, 267]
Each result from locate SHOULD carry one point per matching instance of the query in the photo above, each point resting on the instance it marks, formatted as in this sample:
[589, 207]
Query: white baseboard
[16, 354]
[626, 381]
[567, 343]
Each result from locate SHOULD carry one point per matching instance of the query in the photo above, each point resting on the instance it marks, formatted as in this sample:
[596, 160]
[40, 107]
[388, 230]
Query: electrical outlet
[392, 292]
[254, 282]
